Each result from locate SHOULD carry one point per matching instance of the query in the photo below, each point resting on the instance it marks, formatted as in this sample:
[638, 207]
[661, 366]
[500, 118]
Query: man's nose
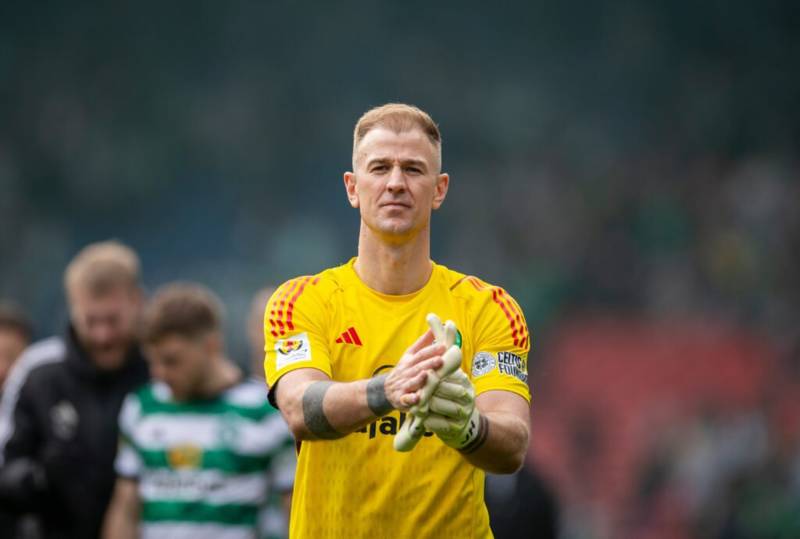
[397, 182]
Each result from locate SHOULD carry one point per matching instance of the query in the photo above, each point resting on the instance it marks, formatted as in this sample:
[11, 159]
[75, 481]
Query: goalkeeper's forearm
[506, 441]
[317, 408]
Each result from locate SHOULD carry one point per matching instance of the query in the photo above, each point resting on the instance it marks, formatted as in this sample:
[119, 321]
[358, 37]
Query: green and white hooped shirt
[204, 467]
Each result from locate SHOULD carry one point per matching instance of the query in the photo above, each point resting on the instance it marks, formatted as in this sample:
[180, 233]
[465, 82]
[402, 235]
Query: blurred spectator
[58, 433]
[275, 518]
[255, 331]
[15, 334]
[521, 506]
[197, 442]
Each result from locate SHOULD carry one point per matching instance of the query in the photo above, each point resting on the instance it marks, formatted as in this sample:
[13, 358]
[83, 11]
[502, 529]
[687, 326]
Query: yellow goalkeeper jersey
[358, 486]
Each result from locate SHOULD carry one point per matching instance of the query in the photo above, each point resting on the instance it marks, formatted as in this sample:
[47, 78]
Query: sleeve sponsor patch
[505, 363]
[292, 350]
[512, 364]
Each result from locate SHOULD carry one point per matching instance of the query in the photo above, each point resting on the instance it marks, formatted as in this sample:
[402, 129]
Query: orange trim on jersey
[518, 316]
[526, 334]
[519, 331]
[478, 286]
[271, 307]
[458, 282]
[290, 307]
[502, 305]
[276, 313]
[282, 306]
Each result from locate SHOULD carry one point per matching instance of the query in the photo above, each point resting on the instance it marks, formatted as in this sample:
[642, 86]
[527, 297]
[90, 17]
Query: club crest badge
[482, 363]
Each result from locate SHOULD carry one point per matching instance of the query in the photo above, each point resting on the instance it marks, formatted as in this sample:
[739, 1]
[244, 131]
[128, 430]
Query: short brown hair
[12, 318]
[101, 267]
[400, 118]
[183, 309]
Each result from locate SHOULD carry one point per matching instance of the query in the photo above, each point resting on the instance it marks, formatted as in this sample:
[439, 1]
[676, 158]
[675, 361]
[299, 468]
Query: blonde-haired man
[58, 432]
[345, 360]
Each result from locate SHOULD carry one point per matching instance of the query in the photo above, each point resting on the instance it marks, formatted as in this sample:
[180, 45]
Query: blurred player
[345, 360]
[15, 336]
[255, 331]
[275, 518]
[197, 443]
[58, 427]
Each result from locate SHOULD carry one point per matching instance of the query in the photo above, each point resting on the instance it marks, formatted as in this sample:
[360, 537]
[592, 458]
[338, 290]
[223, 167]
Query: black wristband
[480, 439]
[376, 396]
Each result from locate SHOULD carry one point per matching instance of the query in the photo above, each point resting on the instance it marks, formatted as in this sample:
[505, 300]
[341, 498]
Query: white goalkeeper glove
[413, 428]
[453, 416]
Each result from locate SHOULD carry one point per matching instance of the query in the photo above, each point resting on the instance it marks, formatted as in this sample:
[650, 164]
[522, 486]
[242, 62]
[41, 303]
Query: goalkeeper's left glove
[453, 416]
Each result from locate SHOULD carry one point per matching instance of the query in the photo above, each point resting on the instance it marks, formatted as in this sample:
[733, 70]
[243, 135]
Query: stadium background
[628, 170]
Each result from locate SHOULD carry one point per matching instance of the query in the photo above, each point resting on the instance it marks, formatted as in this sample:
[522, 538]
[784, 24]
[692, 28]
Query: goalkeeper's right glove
[453, 416]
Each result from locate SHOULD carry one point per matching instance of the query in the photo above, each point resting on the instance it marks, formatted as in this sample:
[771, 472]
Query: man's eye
[413, 170]
[379, 168]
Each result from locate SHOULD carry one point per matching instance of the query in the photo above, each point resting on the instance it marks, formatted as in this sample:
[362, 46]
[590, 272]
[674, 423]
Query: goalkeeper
[341, 371]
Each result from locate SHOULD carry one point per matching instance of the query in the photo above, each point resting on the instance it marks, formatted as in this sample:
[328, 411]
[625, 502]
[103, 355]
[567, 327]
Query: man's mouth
[395, 205]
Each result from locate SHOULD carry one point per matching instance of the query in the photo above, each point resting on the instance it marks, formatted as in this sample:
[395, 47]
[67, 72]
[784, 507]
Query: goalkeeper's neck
[394, 266]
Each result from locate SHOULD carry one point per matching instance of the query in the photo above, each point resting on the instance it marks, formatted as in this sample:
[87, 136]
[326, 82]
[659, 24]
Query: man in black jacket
[58, 415]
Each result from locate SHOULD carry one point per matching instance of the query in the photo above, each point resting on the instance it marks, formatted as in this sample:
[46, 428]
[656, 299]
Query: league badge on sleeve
[292, 350]
[482, 363]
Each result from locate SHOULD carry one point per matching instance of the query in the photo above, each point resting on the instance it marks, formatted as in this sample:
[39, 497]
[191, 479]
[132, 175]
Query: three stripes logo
[349, 337]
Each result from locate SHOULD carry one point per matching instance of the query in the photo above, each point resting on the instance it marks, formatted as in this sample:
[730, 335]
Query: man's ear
[440, 191]
[350, 187]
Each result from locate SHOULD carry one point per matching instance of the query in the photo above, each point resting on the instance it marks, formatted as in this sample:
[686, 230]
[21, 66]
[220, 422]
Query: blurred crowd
[679, 429]
[655, 235]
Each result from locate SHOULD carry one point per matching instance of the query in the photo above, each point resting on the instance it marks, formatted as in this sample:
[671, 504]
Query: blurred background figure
[198, 442]
[255, 331]
[522, 506]
[16, 333]
[275, 517]
[58, 432]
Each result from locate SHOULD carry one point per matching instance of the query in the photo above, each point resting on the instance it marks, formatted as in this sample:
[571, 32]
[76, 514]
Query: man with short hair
[342, 368]
[58, 433]
[197, 443]
[15, 335]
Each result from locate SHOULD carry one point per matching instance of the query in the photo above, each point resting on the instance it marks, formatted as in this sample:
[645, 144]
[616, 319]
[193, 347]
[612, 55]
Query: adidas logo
[350, 337]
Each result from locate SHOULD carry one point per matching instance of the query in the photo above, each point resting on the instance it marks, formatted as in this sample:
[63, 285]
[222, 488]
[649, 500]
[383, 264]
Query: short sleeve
[294, 329]
[128, 462]
[501, 341]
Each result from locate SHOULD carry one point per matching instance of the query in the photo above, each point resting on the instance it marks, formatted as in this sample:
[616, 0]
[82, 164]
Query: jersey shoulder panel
[297, 321]
[492, 306]
[452, 278]
[304, 296]
[499, 335]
